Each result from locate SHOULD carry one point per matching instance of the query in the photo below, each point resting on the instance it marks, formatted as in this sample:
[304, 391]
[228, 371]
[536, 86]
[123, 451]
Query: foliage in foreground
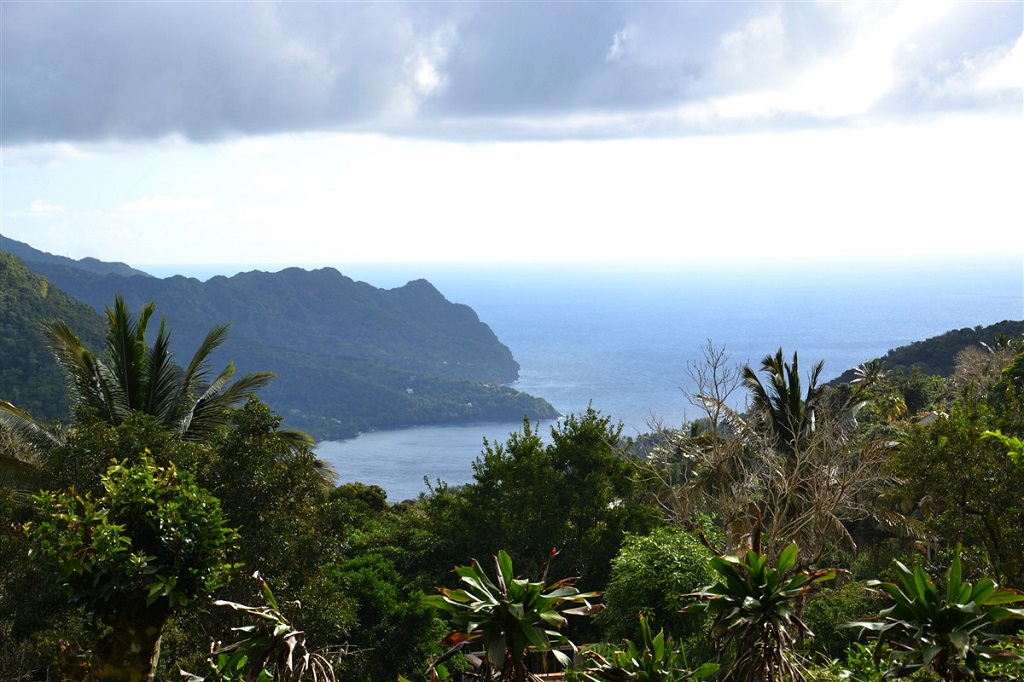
[965, 487]
[659, 659]
[649, 577]
[755, 612]
[131, 376]
[152, 544]
[510, 616]
[269, 648]
[950, 635]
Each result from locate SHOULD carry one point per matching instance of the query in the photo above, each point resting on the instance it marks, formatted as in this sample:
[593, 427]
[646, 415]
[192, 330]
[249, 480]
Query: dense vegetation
[937, 355]
[349, 357]
[130, 551]
[29, 377]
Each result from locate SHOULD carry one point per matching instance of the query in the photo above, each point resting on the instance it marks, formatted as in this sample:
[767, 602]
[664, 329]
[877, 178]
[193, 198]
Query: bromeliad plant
[660, 660]
[754, 608]
[944, 634]
[509, 616]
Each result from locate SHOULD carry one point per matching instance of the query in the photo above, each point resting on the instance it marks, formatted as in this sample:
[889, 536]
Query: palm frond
[195, 373]
[211, 411]
[126, 350]
[87, 384]
[296, 438]
[24, 441]
[25, 428]
[163, 379]
[19, 475]
[135, 377]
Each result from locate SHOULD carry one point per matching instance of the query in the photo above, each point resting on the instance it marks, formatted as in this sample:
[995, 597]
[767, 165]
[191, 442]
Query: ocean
[619, 337]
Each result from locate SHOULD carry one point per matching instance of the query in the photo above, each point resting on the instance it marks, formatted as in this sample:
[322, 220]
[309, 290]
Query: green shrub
[152, 544]
[828, 608]
[394, 632]
[649, 577]
[656, 659]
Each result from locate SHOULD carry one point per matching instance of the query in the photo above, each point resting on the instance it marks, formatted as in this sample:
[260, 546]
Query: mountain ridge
[349, 356]
[29, 254]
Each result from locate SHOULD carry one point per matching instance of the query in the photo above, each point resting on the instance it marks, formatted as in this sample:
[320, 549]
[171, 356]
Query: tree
[152, 543]
[788, 414]
[273, 490]
[576, 493]
[394, 631]
[966, 488]
[794, 466]
[715, 379]
[133, 376]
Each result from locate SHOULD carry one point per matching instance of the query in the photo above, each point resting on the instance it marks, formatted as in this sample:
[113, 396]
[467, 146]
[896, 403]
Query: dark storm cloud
[83, 70]
[88, 71]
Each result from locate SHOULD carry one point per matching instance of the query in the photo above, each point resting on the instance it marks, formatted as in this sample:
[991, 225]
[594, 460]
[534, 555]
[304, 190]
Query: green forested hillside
[348, 356]
[29, 375]
[356, 394]
[322, 312]
[937, 355]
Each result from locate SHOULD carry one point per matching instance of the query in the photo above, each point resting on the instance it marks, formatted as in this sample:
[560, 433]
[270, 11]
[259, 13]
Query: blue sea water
[619, 337]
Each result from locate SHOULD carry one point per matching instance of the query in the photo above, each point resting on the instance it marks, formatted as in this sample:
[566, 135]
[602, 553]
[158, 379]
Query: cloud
[620, 41]
[166, 205]
[37, 209]
[1007, 73]
[96, 71]
[847, 84]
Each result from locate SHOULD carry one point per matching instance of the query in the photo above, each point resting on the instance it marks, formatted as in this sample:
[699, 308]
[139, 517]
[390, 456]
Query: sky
[318, 133]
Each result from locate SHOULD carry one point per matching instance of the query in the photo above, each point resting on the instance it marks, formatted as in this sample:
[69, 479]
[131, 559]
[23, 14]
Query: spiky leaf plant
[755, 621]
[509, 616]
[949, 634]
[659, 660]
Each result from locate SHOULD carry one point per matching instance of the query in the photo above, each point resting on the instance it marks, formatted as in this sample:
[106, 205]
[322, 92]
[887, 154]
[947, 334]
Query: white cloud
[37, 209]
[423, 71]
[846, 85]
[51, 155]
[167, 204]
[1007, 72]
[42, 208]
[334, 198]
[620, 43]
[755, 35]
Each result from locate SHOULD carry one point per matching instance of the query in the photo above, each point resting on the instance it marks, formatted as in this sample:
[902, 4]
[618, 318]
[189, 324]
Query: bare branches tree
[739, 471]
[716, 379]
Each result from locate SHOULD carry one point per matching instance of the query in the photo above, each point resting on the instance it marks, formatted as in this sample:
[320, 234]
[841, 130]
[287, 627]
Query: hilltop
[349, 356]
[937, 355]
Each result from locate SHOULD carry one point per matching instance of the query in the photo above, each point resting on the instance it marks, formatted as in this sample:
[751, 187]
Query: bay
[620, 337]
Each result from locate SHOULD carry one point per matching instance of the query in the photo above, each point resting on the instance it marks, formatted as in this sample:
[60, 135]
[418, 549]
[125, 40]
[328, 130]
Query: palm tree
[18, 465]
[132, 376]
[788, 413]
